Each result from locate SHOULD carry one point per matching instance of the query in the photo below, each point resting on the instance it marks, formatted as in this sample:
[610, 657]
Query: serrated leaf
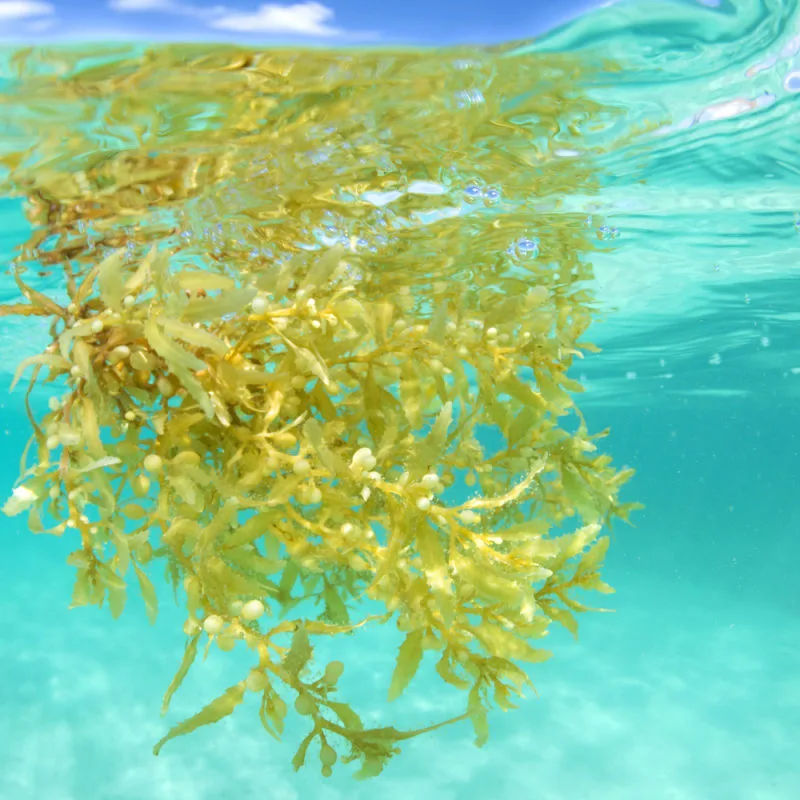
[194, 336]
[90, 427]
[253, 561]
[116, 601]
[43, 359]
[41, 301]
[349, 718]
[109, 280]
[579, 494]
[447, 673]
[300, 756]
[431, 448]
[564, 617]
[169, 350]
[272, 713]
[138, 279]
[300, 652]
[215, 711]
[110, 578]
[148, 593]
[370, 768]
[378, 403]
[506, 644]
[195, 279]
[478, 716]
[521, 425]
[594, 582]
[408, 660]
[335, 609]
[250, 530]
[207, 309]
[480, 724]
[323, 267]
[313, 431]
[593, 557]
[189, 655]
[290, 575]
[22, 310]
[438, 322]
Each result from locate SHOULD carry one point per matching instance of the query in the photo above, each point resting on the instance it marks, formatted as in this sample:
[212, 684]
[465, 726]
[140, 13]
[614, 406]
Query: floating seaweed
[297, 303]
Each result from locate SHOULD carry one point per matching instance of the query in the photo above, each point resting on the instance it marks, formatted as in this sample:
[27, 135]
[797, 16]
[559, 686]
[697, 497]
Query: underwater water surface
[656, 142]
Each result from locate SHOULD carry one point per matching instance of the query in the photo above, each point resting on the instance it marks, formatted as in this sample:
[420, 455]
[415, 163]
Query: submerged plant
[277, 386]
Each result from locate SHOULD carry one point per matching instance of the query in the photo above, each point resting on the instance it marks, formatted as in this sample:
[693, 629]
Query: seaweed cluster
[312, 361]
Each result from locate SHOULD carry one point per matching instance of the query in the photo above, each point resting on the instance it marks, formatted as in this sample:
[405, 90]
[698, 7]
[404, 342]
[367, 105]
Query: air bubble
[606, 232]
[469, 97]
[473, 192]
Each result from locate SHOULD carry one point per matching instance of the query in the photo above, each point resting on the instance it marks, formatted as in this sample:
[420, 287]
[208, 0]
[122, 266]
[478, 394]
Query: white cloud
[139, 5]
[23, 9]
[304, 19]
[308, 19]
[164, 6]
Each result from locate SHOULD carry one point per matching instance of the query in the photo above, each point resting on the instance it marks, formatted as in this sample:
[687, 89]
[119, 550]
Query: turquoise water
[690, 690]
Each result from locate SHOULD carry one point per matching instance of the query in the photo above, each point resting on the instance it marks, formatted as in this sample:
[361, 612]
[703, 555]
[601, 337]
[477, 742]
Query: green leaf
[169, 350]
[100, 463]
[210, 308]
[22, 310]
[370, 768]
[593, 557]
[300, 756]
[195, 279]
[323, 267]
[116, 601]
[300, 652]
[314, 432]
[349, 718]
[272, 714]
[148, 593]
[506, 644]
[194, 336]
[431, 449]
[189, 655]
[290, 574]
[253, 561]
[445, 670]
[335, 609]
[480, 724]
[138, 279]
[438, 322]
[578, 493]
[51, 360]
[180, 362]
[408, 660]
[109, 280]
[594, 582]
[250, 530]
[39, 300]
[378, 403]
[564, 617]
[110, 578]
[478, 716]
[521, 425]
[216, 710]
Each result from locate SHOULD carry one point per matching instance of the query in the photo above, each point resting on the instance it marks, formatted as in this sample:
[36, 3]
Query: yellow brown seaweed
[279, 389]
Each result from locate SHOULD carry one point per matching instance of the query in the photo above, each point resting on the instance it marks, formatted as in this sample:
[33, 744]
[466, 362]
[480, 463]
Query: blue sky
[425, 22]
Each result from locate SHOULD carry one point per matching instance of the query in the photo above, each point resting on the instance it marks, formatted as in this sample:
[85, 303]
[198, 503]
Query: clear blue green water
[690, 690]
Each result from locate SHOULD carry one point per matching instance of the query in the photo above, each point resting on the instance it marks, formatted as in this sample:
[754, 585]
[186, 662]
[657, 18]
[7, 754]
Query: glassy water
[654, 141]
